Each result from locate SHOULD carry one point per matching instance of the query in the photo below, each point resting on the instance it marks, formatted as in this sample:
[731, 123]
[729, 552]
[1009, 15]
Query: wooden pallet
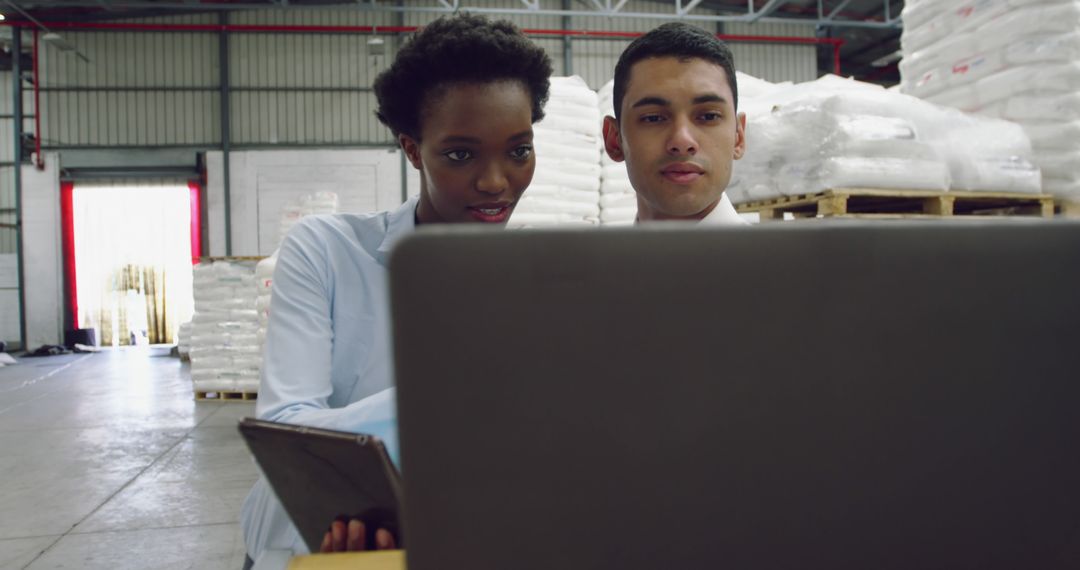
[221, 396]
[883, 204]
[1067, 209]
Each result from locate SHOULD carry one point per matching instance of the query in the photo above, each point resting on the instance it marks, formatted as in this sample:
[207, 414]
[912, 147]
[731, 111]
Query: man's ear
[411, 148]
[613, 140]
[740, 135]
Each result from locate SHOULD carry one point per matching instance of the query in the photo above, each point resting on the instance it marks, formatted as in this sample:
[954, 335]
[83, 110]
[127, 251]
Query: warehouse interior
[154, 154]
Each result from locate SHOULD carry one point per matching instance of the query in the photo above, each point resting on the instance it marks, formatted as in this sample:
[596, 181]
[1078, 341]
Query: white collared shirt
[724, 214]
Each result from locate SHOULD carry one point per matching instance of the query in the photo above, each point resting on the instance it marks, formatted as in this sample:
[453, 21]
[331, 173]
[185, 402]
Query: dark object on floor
[48, 350]
[80, 336]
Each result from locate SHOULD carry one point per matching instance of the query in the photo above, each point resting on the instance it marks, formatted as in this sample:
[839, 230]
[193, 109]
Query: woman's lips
[491, 213]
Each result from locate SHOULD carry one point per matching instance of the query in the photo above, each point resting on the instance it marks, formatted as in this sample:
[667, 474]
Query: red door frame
[67, 237]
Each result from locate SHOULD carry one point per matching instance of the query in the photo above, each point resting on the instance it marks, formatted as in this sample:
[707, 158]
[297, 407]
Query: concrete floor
[107, 462]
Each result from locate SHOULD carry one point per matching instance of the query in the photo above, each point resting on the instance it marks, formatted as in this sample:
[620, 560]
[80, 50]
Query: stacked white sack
[183, 340]
[754, 100]
[1010, 59]
[264, 283]
[834, 133]
[224, 344]
[565, 189]
[618, 202]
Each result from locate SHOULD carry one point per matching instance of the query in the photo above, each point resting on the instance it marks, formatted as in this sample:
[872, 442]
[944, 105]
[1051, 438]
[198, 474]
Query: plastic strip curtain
[133, 261]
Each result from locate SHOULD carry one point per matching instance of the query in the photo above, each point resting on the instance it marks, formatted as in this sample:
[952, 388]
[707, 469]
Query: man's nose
[682, 139]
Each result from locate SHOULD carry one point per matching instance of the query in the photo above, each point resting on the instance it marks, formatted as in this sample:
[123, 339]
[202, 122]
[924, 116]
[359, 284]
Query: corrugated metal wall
[161, 89]
[7, 158]
[307, 89]
[138, 89]
[775, 62]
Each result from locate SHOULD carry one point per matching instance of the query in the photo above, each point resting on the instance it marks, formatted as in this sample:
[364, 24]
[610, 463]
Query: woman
[460, 98]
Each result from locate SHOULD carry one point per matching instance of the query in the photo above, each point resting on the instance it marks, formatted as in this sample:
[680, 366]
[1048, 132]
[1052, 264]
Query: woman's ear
[411, 148]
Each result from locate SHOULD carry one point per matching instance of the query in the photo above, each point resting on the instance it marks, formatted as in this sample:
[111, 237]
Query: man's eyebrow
[644, 101]
[709, 98]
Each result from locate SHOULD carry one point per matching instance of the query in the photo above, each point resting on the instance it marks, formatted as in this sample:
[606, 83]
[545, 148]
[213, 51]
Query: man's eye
[458, 155]
[711, 116]
[651, 118]
[522, 152]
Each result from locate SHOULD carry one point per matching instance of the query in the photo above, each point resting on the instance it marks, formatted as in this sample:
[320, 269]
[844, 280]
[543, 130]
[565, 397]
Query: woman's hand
[351, 537]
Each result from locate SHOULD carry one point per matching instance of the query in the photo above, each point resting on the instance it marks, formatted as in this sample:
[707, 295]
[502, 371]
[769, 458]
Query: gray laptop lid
[807, 396]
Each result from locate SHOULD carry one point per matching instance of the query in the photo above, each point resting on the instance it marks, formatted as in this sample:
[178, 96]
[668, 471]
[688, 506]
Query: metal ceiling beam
[837, 10]
[684, 10]
[769, 7]
[593, 8]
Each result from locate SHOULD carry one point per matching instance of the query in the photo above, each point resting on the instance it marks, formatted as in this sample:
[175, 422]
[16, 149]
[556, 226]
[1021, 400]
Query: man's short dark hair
[463, 48]
[678, 40]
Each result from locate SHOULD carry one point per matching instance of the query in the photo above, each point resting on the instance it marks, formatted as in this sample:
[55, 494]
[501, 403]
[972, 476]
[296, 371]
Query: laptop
[842, 396]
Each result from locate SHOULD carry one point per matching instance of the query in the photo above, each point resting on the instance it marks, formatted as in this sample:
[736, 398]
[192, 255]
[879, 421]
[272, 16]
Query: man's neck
[647, 214]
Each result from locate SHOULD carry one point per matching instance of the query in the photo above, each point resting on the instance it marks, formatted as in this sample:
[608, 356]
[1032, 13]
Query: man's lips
[682, 172]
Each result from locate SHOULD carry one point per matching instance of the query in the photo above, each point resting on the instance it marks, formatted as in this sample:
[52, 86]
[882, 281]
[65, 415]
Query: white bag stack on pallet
[183, 340]
[1012, 59]
[224, 350]
[618, 202]
[565, 189]
[834, 133]
[264, 283]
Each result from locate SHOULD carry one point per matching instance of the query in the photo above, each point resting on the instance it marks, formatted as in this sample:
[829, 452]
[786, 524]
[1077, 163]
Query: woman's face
[475, 153]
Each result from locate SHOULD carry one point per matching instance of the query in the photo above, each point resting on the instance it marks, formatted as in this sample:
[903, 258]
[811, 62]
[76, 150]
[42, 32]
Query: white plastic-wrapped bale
[264, 283]
[183, 340]
[618, 202]
[565, 189]
[224, 350]
[1009, 59]
[834, 133]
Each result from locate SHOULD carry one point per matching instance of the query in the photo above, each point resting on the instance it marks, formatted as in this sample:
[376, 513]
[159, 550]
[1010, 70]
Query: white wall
[262, 181]
[44, 281]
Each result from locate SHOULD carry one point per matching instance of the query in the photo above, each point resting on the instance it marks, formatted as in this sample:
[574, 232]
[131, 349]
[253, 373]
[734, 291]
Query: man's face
[678, 133]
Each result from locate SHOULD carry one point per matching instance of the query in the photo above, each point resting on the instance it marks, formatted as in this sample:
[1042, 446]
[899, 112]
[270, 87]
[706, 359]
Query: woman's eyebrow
[460, 139]
[521, 136]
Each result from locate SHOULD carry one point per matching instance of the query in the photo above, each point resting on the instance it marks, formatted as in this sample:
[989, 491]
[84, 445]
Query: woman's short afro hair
[463, 48]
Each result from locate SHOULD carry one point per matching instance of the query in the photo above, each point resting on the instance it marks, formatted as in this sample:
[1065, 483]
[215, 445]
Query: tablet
[320, 475]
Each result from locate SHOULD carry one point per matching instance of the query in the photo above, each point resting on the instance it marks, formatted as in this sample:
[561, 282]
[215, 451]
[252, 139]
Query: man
[677, 124]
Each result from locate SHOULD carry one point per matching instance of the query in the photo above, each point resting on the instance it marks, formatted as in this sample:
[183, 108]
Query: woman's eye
[522, 152]
[458, 155]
